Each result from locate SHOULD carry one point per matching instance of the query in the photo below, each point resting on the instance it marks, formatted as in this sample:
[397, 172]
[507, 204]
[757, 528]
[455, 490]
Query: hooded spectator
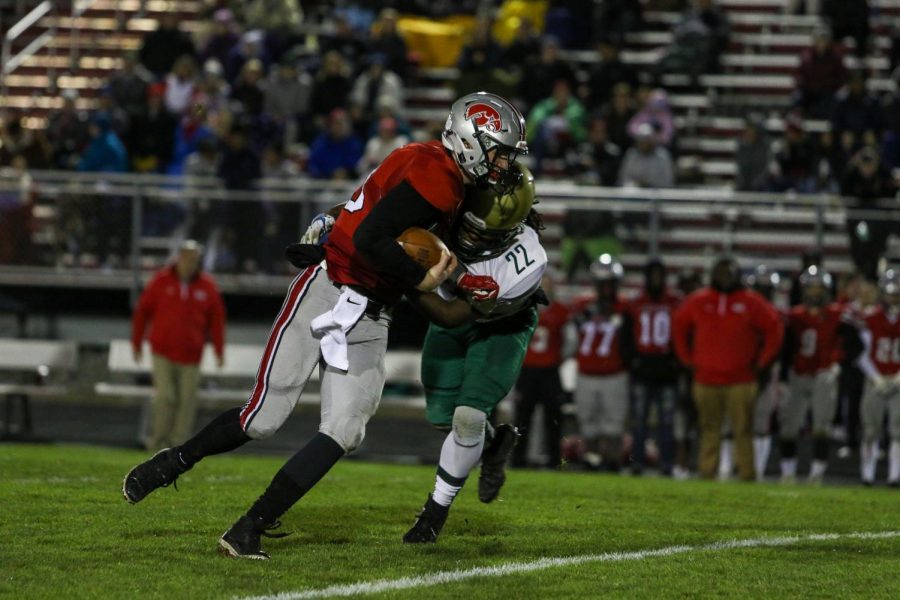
[105, 153]
[658, 113]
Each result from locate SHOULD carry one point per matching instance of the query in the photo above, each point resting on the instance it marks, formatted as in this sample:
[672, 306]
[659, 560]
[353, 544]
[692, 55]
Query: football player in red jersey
[604, 350]
[553, 341]
[809, 364]
[339, 316]
[654, 367]
[880, 361]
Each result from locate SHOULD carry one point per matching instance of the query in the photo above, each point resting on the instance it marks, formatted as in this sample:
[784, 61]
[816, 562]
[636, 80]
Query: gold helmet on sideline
[488, 223]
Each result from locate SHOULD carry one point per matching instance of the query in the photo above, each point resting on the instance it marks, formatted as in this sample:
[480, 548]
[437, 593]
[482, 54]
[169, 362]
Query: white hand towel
[332, 327]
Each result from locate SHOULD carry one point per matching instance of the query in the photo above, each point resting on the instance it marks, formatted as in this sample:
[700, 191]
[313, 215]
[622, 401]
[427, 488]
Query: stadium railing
[99, 230]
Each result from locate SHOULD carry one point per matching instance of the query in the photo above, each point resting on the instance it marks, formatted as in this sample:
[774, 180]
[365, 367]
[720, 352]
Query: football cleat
[161, 470]
[242, 540]
[429, 523]
[493, 462]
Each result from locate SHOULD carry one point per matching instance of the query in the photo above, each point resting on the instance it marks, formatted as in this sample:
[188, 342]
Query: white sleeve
[864, 362]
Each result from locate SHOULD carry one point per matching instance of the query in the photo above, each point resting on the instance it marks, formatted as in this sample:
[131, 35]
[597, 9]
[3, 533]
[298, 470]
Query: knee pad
[258, 429]
[348, 431]
[468, 425]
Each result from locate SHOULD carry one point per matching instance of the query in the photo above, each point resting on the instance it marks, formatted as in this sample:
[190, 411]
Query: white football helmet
[481, 122]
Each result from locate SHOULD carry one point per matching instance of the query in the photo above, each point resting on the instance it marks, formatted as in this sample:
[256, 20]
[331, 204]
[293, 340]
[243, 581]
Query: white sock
[894, 462]
[761, 447]
[817, 469]
[726, 461]
[868, 459]
[454, 466]
[788, 467]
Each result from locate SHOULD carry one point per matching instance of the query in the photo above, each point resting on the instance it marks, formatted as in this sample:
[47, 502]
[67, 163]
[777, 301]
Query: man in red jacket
[183, 308]
[726, 334]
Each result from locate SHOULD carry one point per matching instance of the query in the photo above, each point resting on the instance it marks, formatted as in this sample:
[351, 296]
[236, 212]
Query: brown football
[422, 246]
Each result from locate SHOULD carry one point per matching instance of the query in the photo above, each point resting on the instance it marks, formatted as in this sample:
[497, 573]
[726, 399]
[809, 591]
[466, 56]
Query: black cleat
[242, 539]
[160, 471]
[428, 524]
[493, 462]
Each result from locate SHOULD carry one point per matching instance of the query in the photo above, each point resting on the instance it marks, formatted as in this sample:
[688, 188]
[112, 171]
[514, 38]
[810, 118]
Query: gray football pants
[349, 399]
[807, 392]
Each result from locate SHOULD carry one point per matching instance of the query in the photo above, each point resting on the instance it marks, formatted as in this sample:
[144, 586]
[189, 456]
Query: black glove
[304, 255]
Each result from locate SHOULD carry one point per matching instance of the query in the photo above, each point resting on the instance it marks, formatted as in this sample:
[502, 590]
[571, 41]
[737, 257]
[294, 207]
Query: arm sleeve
[376, 237]
[217, 323]
[864, 362]
[681, 331]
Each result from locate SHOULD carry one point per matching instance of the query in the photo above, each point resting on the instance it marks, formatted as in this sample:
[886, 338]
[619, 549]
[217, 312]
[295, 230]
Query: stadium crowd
[720, 369]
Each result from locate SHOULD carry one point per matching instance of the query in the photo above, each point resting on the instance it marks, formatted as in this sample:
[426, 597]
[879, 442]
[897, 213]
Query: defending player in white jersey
[472, 357]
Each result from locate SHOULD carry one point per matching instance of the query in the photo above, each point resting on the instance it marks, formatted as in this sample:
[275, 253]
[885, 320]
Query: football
[422, 246]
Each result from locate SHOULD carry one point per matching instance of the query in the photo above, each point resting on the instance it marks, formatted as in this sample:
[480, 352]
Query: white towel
[333, 326]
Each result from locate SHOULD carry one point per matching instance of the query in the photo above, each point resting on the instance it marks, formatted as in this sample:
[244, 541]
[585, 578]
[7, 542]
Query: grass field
[65, 532]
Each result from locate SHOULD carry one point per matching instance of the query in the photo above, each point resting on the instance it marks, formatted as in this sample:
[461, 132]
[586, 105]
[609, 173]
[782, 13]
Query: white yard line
[405, 583]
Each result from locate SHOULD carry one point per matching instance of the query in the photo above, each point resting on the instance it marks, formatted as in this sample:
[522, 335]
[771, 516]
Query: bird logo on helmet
[485, 116]
[485, 134]
[489, 222]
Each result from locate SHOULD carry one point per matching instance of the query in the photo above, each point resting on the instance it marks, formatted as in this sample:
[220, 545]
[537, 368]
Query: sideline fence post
[136, 226]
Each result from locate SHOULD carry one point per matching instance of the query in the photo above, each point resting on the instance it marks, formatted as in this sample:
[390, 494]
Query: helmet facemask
[474, 241]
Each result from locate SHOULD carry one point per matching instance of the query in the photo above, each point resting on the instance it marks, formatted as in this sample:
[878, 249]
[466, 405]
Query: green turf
[65, 532]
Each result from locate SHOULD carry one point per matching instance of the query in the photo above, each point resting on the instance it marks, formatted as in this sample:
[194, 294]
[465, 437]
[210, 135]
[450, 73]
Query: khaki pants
[713, 402]
[174, 403]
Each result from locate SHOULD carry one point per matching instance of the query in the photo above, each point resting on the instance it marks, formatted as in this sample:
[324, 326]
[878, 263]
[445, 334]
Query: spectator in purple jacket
[657, 112]
[336, 152]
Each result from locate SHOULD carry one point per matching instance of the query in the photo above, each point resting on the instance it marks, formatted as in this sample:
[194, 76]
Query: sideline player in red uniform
[812, 344]
[337, 319]
[553, 341]
[654, 367]
[604, 350]
[880, 361]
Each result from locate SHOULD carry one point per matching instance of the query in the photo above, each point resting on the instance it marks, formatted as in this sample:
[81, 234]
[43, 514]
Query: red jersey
[725, 338]
[182, 315]
[815, 337]
[431, 171]
[599, 343]
[653, 323]
[882, 337]
[545, 349]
